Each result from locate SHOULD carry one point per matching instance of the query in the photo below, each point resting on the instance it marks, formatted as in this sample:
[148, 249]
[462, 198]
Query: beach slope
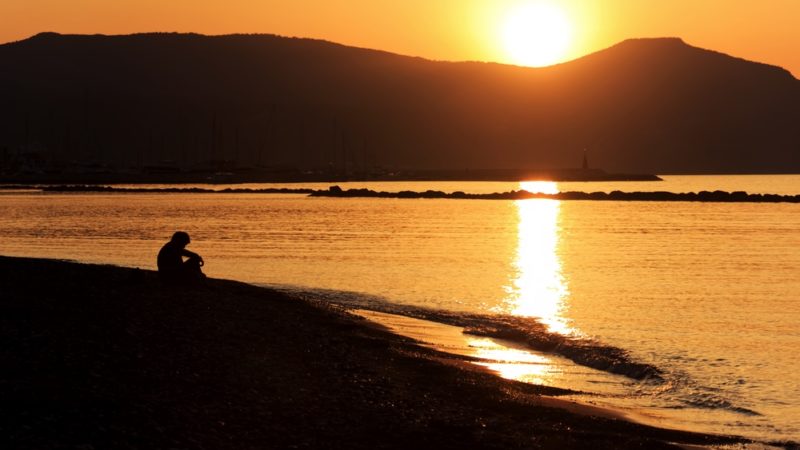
[106, 357]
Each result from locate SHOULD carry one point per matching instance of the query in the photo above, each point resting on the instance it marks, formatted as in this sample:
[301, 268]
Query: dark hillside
[191, 101]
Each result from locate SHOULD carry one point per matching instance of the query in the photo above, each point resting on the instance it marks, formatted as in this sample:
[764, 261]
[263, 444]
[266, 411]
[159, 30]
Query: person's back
[169, 257]
[171, 266]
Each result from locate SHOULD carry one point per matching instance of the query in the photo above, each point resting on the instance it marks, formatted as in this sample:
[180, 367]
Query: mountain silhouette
[644, 105]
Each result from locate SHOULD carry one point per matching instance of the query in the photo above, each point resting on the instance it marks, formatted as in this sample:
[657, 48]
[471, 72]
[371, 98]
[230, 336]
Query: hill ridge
[644, 105]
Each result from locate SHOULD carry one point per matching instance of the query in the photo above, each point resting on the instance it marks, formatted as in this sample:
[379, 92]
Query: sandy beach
[99, 357]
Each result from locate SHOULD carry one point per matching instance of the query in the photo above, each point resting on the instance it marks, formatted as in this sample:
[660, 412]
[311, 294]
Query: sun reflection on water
[512, 363]
[539, 288]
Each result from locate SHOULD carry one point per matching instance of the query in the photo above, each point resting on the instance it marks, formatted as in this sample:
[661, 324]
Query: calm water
[707, 292]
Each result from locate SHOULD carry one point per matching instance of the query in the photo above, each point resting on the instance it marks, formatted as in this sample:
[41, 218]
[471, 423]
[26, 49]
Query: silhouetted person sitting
[171, 266]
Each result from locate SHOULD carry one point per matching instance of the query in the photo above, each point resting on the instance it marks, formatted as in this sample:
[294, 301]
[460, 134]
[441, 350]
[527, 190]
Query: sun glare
[539, 288]
[537, 34]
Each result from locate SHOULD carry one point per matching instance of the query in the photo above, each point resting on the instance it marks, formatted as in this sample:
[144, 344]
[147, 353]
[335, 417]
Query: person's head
[181, 238]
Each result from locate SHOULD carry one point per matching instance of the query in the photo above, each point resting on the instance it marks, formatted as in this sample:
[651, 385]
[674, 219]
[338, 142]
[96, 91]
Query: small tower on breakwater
[585, 165]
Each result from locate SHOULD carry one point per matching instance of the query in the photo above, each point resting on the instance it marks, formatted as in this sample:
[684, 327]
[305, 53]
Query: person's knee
[193, 262]
[192, 269]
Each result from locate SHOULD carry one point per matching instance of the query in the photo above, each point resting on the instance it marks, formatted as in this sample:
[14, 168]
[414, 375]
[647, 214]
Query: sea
[706, 293]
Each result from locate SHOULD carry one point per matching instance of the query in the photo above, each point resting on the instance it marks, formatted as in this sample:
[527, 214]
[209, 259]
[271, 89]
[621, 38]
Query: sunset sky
[483, 30]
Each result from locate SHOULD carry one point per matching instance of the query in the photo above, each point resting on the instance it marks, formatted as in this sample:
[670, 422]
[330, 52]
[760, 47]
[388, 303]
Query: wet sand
[101, 357]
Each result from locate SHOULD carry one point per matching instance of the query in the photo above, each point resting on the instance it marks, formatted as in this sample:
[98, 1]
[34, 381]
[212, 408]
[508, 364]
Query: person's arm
[190, 254]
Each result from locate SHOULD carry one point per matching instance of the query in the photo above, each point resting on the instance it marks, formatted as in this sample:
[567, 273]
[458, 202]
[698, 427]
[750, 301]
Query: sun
[537, 34]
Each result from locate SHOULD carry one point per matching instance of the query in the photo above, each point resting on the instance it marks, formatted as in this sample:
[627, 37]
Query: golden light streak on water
[539, 288]
[511, 363]
[507, 361]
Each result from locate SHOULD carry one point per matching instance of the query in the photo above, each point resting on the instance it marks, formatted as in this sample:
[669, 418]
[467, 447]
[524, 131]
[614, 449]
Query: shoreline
[106, 357]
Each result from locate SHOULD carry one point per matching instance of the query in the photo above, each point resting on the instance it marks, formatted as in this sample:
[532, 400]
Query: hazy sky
[759, 30]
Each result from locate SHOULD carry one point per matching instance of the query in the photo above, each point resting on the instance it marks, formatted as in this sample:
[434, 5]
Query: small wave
[675, 390]
[682, 392]
[525, 331]
[703, 401]
[647, 385]
[719, 403]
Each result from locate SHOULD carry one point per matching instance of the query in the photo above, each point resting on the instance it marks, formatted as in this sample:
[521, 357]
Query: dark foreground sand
[99, 357]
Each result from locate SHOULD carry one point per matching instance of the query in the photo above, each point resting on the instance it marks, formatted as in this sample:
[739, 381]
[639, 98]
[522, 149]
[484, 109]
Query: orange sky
[764, 30]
